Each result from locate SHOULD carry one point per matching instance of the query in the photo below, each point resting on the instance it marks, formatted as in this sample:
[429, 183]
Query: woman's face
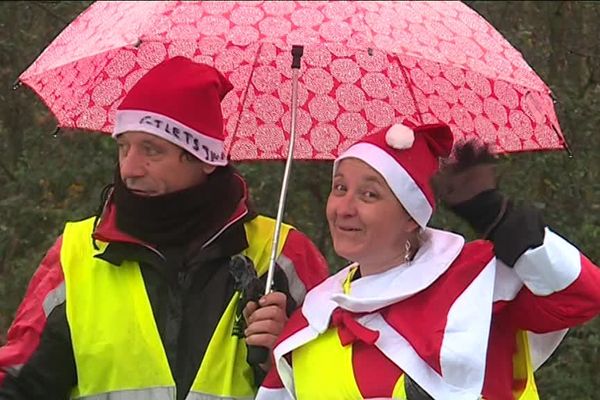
[367, 222]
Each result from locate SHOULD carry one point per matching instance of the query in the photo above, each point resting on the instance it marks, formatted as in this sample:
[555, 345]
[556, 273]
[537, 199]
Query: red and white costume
[456, 320]
[453, 333]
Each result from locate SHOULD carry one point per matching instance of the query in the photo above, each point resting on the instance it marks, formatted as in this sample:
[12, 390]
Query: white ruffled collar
[374, 292]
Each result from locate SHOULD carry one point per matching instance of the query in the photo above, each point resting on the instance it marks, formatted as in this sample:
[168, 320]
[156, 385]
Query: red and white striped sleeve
[46, 290]
[561, 287]
[303, 264]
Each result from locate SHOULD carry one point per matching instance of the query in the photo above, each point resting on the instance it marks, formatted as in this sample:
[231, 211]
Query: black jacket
[189, 288]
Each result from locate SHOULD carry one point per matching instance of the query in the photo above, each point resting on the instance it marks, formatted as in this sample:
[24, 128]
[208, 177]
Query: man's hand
[265, 321]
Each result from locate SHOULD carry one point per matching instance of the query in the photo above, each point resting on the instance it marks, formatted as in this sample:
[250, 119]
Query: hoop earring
[407, 247]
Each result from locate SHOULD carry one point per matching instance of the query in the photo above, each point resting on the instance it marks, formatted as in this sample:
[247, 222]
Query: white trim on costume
[373, 292]
[399, 350]
[507, 284]
[550, 267]
[463, 353]
[542, 345]
[318, 305]
[265, 393]
[400, 182]
[284, 369]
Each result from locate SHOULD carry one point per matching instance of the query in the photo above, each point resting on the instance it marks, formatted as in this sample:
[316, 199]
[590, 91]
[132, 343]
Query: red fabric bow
[349, 330]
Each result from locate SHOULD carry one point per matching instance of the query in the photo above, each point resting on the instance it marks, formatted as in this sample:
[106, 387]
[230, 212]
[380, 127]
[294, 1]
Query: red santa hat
[179, 101]
[406, 157]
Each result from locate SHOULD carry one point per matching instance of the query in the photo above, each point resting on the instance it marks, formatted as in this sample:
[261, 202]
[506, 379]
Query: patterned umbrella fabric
[366, 64]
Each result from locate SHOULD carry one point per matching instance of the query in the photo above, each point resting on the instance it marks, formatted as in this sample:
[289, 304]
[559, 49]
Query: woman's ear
[411, 225]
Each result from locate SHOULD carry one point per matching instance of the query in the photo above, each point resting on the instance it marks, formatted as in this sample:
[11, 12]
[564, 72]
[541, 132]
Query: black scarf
[177, 218]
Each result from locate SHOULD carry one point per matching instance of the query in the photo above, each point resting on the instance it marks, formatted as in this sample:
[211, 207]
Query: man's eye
[151, 150]
[122, 148]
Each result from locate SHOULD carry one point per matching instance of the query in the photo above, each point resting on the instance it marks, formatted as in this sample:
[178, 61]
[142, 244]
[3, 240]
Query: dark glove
[469, 187]
[247, 284]
[251, 288]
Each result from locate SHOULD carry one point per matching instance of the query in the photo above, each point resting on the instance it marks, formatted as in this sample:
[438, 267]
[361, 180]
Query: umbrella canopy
[366, 65]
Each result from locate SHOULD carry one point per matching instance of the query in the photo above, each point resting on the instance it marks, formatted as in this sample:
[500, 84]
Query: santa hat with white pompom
[407, 158]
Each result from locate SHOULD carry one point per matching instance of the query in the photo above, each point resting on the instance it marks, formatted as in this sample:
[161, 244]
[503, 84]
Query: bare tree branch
[579, 53]
[9, 174]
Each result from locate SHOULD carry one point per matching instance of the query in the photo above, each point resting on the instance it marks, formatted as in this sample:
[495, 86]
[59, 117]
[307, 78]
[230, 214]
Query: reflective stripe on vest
[156, 394]
[323, 370]
[117, 348]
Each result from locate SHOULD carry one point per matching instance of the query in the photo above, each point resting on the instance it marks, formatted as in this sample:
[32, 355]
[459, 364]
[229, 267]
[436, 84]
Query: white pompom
[400, 137]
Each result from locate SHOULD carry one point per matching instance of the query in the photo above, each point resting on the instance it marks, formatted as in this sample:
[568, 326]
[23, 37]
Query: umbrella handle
[296, 55]
[257, 355]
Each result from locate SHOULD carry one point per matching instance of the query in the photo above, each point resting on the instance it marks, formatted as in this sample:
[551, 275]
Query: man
[141, 302]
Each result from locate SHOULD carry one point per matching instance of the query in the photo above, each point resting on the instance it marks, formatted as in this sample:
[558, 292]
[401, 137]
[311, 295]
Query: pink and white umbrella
[366, 64]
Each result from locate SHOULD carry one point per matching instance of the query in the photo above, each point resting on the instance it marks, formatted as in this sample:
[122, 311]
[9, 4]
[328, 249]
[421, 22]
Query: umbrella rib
[243, 103]
[410, 89]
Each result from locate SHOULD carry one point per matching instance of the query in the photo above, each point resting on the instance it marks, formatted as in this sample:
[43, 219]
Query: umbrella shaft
[284, 184]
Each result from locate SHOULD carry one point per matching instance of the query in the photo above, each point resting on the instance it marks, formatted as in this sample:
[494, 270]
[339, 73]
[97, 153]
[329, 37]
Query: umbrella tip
[565, 143]
[569, 152]
[370, 51]
[297, 52]
[55, 132]
[17, 84]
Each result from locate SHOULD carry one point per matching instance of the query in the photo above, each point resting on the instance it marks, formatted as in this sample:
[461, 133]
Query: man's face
[151, 166]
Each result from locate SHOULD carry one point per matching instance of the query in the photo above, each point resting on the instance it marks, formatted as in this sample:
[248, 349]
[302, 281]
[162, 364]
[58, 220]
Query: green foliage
[308, 189]
[42, 196]
[46, 180]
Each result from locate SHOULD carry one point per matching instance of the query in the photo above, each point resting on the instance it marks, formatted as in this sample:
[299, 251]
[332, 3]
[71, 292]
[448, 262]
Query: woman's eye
[370, 195]
[338, 189]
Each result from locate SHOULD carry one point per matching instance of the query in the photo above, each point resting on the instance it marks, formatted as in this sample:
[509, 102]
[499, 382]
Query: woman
[419, 313]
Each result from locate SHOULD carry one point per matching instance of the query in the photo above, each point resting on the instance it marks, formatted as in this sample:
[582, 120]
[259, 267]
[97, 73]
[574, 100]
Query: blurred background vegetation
[46, 179]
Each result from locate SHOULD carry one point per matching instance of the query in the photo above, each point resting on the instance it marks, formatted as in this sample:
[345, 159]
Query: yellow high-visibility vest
[116, 344]
[523, 369]
[314, 377]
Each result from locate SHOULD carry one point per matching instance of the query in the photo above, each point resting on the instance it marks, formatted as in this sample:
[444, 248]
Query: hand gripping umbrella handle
[258, 354]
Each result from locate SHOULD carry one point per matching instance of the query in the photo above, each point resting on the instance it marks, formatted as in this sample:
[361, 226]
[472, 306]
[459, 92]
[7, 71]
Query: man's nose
[132, 165]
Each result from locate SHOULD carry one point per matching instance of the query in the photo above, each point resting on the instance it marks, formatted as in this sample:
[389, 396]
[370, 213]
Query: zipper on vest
[184, 280]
